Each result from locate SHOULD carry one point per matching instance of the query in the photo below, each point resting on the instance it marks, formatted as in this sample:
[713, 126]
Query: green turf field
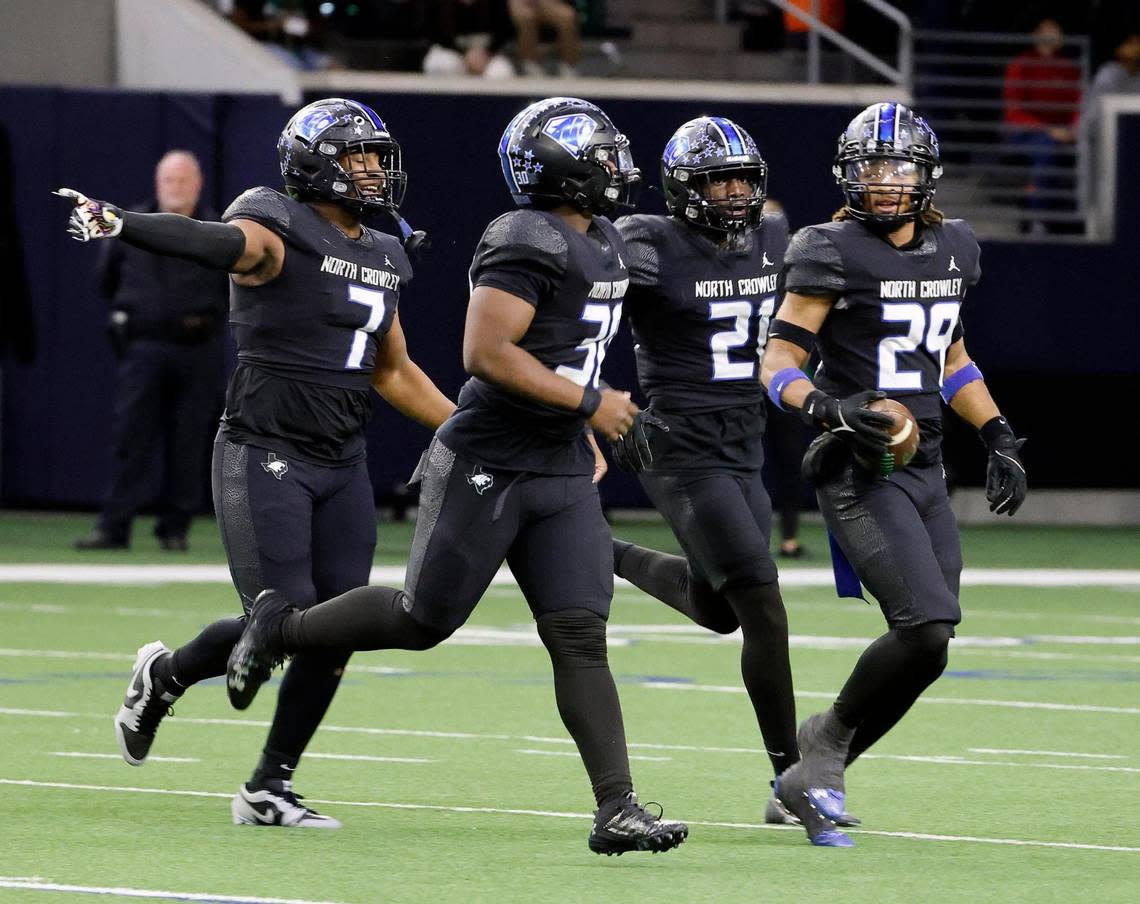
[1015, 780]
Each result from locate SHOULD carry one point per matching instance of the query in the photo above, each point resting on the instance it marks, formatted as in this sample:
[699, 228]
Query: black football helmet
[565, 150]
[887, 149]
[708, 149]
[317, 136]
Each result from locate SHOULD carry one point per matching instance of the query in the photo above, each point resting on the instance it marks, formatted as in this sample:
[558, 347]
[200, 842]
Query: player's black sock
[307, 689]
[766, 669]
[274, 765]
[889, 676]
[666, 577]
[367, 618]
[203, 657]
[587, 697]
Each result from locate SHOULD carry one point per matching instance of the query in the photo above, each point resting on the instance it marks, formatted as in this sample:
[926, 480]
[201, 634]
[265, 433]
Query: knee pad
[574, 637]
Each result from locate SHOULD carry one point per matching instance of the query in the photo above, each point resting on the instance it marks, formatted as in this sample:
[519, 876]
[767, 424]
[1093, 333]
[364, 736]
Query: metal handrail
[901, 76]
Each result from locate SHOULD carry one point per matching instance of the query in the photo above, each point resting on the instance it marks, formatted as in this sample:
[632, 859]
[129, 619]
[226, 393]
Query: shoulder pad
[393, 248]
[813, 261]
[262, 205]
[526, 228]
[638, 227]
[775, 223]
[642, 236]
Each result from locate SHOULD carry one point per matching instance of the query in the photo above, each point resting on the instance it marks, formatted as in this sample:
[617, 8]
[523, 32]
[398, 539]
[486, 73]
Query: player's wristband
[780, 382]
[591, 399]
[214, 245]
[995, 431]
[790, 332]
[954, 383]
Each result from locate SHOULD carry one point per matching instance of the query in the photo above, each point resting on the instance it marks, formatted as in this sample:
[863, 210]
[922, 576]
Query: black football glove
[850, 420]
[1006, 483]
[631, 451]
[91, 219]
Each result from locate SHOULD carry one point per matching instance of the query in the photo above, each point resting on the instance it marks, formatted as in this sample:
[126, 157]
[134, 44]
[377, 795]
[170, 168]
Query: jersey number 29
[937, 335]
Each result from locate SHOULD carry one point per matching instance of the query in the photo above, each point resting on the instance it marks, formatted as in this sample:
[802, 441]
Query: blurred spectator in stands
[468, 37]
[1120, 75]
[562, 16]
[288, 28]
[1042, 94]
[830, 12]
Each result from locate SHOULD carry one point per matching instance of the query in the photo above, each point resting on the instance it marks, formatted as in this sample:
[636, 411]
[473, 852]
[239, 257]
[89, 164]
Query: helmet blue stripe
[735, 143]
[376, 120]
[888, 113]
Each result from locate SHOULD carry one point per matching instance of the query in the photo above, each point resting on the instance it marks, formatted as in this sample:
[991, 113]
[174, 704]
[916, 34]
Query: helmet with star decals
[341, 151]
[703, 154]
[563, 150]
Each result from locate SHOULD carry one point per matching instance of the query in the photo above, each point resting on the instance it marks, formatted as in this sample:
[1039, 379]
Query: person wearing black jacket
[165, 324]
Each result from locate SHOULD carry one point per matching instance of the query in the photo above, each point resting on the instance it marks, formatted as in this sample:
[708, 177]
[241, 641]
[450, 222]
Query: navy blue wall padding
[1053, 326]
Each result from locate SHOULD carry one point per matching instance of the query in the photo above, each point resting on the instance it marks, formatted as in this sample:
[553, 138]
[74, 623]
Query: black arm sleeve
[214, 245]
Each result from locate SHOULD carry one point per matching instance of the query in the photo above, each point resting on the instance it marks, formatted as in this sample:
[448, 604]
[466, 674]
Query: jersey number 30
[608, 320]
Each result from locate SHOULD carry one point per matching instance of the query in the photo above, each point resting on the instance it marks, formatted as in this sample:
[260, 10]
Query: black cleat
[792, 794]
[276, 804]
[257, 652]
[146, 702]
[624, 825]
[823, 742]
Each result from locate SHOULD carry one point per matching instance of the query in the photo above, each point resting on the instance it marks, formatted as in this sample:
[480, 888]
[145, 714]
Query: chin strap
[415, 241]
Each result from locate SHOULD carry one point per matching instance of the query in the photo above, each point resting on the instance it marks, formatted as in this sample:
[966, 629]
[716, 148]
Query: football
[904, 433]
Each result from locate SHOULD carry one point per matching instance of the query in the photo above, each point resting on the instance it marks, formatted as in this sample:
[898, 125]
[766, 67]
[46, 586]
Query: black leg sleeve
[205, 656]
[889, 676]
[766, 669]
[668, 578]
[587, 697]
[367, 618]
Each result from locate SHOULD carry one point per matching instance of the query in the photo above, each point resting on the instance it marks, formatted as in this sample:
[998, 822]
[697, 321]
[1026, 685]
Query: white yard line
[37, 884]
[954, 701]
[918, 836]
[78, 754]
[574, 753]
[367, 759]
[55, 573]
[1091, 756]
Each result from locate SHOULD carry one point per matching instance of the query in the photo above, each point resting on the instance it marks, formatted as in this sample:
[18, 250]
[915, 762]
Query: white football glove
[91, 219]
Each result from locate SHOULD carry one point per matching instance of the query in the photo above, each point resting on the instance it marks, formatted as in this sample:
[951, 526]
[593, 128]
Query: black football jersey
[307, 341]
[576, 283]
[699, 312]
[896, 311]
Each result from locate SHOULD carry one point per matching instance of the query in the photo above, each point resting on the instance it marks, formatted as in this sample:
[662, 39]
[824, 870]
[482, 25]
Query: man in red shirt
[1042, 95]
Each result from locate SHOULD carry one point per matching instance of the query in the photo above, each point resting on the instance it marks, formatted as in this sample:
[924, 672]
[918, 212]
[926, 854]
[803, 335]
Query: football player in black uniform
[702, 291]
[510, 476]
[313, 312]
[878, 293]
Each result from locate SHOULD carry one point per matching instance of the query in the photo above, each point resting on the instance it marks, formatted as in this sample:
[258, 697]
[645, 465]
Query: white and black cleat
[625, 825]
[144, 706]
[275, 804]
